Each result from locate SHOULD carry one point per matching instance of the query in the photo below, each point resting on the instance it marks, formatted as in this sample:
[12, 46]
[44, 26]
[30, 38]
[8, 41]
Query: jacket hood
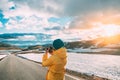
[61, 53]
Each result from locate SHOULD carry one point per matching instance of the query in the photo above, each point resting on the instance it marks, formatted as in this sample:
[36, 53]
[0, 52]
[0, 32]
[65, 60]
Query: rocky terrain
[4, 46]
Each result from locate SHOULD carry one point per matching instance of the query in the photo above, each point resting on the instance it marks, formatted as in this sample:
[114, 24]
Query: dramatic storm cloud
[77, 7]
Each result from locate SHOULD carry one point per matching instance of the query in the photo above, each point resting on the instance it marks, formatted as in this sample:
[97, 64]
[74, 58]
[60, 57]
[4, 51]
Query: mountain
[25, 39]
[31, 40]
[95, 43]
[16, 35]
[4, 46]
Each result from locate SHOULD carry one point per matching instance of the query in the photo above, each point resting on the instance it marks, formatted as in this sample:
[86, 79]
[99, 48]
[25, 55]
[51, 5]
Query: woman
[57, 61]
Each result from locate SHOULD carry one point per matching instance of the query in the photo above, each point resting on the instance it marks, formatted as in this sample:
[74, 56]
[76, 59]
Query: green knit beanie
[58, 43]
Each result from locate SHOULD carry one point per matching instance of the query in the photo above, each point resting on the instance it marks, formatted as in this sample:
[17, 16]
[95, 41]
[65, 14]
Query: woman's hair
[50, 49]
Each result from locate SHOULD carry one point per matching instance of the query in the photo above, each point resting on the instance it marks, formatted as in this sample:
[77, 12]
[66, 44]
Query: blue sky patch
[62, 21]
[2, 19]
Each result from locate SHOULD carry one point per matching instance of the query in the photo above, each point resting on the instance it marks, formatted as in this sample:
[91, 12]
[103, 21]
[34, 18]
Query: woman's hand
[47, 50]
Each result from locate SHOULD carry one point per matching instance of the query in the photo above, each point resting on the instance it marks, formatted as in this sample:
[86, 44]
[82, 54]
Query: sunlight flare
[110, 29]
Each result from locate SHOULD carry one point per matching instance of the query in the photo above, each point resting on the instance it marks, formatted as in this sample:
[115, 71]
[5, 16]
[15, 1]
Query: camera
[50, 49]
[47, 48]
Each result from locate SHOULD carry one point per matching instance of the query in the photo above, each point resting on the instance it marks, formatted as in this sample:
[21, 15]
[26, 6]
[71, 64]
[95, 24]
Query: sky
[61, 18]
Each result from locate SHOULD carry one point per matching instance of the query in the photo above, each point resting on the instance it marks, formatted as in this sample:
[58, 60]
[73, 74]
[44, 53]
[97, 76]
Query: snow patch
[2, 56]
[78, 50]
[106, 66]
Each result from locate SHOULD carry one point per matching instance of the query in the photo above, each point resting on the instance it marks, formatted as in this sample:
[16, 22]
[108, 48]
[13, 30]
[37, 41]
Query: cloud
[30, 16]
[52, 7]
[53, 28]
[32, 24]
[73, 35]
[26, 23]
[93, 19]
[69, 7]
[66, 7]
[27, 38]
[80, 8]
[1, 24]
[59, 17]
[5, 5]
[77, 7]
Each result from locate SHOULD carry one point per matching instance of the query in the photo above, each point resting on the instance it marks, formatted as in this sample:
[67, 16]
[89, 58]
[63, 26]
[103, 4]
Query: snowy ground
[1, 56]
[8, 52]
[80, 50]
[107, 66]
[32, 56]
[3, 53]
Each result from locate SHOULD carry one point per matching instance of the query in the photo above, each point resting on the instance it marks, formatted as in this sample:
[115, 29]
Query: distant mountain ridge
[25, 39]
[43, 40]
[95, 43]
[4, 46]
[15, 35]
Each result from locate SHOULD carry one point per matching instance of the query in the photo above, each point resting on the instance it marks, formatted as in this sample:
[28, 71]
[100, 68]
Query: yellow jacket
[56, 64]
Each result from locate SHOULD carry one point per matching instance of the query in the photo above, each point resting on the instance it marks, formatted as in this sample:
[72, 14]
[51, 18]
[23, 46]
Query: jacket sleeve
[47, 61]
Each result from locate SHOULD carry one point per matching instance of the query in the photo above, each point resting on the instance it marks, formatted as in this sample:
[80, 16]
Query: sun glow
[109, 29]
